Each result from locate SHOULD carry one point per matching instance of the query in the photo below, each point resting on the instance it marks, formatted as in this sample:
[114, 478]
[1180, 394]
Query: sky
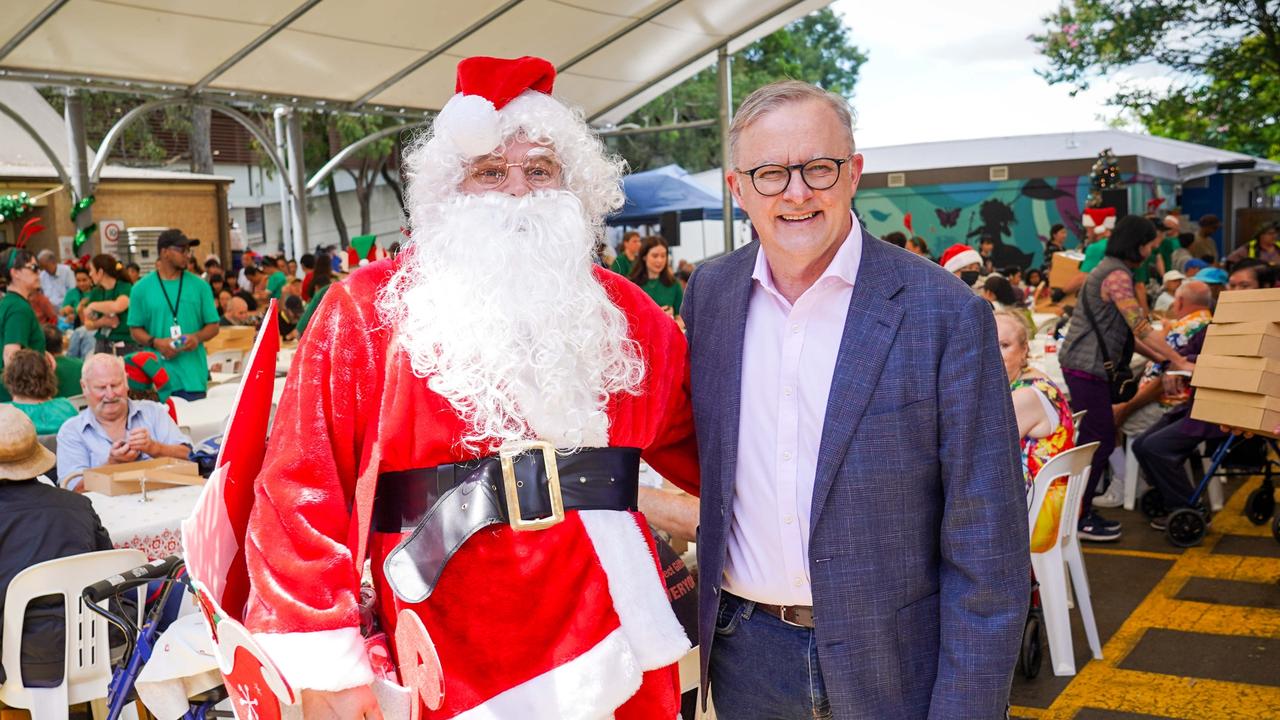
[960, 69]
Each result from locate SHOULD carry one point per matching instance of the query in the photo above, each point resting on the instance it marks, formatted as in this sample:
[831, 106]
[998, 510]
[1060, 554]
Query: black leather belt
[526, 486]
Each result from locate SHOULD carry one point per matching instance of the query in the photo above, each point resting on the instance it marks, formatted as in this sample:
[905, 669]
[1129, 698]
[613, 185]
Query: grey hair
[1018, 323]
[786, 92]
[1195, 292]
[92, 362]
[45, 254]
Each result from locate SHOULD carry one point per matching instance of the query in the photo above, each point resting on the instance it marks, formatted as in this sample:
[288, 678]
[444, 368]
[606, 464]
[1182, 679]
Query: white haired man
[491, 329]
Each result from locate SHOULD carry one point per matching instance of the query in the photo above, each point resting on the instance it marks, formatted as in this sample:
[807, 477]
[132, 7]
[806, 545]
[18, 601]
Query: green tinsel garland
[13, 207]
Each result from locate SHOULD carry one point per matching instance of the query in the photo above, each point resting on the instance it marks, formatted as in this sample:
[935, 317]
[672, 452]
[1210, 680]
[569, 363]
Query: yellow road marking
[1146, 554]
[1102, 684]
[1020, 711]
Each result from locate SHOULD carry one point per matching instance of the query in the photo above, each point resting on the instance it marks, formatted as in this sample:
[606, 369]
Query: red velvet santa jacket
[515, 616]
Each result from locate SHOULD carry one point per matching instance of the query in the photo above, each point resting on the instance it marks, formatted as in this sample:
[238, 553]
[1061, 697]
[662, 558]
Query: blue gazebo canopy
[653, 193]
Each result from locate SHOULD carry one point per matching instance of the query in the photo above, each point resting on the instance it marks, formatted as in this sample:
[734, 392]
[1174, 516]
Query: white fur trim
[321, 660]
[968, 257]
[639, 596]
[471, 123]
[588, 687]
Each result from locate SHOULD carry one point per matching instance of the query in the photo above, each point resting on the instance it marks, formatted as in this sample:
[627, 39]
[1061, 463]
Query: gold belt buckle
[507, 455]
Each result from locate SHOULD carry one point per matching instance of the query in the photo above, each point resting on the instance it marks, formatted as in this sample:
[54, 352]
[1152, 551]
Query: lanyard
[173, 306]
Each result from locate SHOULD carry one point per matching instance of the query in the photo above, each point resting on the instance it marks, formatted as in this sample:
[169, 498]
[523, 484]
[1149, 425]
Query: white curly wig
[435, 162]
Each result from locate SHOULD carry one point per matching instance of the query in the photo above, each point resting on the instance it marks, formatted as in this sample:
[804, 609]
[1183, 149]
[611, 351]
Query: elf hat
[144, 372]
[958, 256]
[484, 86]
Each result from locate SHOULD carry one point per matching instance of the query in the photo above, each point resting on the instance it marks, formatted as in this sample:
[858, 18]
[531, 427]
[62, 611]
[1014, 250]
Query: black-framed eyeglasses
[772, 179]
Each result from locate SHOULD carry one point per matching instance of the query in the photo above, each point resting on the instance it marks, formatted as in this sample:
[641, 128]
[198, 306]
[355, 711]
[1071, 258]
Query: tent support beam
[298, 181]
[443, 48]
[354, 147]
[638, 22]
[54, 160]
[243, 52]
[282, 178]
[31, 27]
[627, 130]
[725, 85]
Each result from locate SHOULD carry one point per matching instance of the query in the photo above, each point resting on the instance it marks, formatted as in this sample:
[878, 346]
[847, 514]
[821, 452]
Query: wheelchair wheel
[1032, 649]
[1260, 505]
[1186, 528]
[1152, 504]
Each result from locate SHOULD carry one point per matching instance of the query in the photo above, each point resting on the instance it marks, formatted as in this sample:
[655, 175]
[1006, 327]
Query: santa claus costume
[490, 327]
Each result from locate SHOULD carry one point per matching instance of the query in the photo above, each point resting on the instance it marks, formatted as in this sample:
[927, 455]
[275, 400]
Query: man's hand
[357, 703]
[121, 452]
[189, 344]
[139, 440]
[165, 348]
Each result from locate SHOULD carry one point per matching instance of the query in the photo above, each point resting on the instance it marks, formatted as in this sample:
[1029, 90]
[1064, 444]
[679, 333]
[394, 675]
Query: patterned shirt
[1180, 333]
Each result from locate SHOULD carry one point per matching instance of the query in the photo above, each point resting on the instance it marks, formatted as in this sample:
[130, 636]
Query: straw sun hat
[22, 457]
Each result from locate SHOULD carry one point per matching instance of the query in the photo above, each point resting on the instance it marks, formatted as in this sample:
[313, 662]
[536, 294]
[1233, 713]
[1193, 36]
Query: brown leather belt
[799, 615]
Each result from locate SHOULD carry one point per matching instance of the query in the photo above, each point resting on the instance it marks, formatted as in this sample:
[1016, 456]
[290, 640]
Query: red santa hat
[484, 86]
[1095, 217]
[958, 256]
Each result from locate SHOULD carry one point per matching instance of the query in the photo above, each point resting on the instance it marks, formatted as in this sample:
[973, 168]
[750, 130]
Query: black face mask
[969, 277]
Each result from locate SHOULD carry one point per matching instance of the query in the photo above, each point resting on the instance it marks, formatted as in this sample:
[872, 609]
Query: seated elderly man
[115, 429]
[237, 313]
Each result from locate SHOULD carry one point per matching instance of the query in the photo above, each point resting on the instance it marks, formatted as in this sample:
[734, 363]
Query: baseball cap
[1212, 276]
[173, 237]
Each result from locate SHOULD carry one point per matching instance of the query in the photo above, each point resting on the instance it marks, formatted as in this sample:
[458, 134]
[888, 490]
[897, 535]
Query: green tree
[1223, 58]
[139, 144]
[816, 48]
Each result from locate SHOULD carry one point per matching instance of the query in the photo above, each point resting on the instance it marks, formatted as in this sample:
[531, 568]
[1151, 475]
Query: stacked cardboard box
[1063, 270]
[1238, 373]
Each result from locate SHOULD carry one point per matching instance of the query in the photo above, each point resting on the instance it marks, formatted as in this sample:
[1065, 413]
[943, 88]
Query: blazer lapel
[731, 335]
[869, 330]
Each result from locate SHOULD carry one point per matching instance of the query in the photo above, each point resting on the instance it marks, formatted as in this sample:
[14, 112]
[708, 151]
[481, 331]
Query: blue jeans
[763, 668]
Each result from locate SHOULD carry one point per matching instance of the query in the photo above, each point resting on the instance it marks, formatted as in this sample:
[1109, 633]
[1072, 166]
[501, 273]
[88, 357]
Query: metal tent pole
[78, 156]
[286, 198]
[298, 174]
[726, 162]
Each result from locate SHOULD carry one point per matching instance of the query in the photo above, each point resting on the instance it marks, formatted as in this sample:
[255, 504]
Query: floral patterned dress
[1038, 451]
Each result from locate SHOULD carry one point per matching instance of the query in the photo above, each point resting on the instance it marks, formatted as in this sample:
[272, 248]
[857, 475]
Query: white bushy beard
[497, 306]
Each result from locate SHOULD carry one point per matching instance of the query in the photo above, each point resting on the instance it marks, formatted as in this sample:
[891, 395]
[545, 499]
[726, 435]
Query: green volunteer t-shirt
[18, 326]
[310, 310]
[1098, 250]
[152, 307]
[73, 298]
[97, 294]
[622, 265]
[68, 371]
[275, 283]
[665, 295]
[48, 416]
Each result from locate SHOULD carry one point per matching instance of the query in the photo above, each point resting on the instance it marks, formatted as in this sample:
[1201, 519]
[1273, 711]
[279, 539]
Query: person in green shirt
[652, 272]
[70, 310]
[277, 279]
[628, 251]
[30, 377]
[108, 304]
[67, 369]
[172, 312]
[19, 328]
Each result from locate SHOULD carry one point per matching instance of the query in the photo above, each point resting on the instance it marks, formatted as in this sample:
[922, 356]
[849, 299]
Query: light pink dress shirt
[788, 359]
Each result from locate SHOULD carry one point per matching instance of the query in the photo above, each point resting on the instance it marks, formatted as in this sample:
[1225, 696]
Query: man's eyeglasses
[772, 179]
[540, 166]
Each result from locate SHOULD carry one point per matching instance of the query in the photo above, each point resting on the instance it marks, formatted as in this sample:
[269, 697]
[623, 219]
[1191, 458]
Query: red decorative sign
[251, 696]
[419, 665]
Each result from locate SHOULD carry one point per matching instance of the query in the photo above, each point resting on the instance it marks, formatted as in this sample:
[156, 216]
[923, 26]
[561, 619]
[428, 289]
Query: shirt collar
[843, 266]
[90, 420]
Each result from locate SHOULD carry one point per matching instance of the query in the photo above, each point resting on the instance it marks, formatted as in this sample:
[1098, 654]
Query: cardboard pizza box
[131, 478]
[1249, 411]
[1065, 268]
[1253, 345]
[1245, 328]
[1253, 375]
[1239, 306]
[231, 338]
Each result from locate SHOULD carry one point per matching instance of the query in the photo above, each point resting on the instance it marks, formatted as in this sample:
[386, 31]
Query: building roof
[1190, 159]
[110, 172]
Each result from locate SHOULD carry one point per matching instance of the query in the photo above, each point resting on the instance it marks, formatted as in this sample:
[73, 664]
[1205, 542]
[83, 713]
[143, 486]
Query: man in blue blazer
[863, 544]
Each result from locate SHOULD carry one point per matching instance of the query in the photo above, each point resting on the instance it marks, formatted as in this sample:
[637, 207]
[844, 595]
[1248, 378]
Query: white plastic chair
[1051, 565]
[88, 656]
[1075, 423]
[227, 361]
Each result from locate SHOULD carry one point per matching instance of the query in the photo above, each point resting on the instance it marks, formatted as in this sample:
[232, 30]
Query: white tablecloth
[208, 417]
[154, 526]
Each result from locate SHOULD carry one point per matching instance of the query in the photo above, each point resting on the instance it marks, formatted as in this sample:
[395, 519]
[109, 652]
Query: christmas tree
[1105, 175]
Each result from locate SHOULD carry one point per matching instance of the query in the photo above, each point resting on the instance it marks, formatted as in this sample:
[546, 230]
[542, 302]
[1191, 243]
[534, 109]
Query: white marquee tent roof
[380, 55]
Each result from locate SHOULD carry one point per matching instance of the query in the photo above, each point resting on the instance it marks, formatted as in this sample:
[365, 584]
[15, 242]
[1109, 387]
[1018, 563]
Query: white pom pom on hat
[484, 86]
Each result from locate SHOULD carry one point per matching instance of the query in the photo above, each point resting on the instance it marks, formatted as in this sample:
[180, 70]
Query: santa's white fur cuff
[322, 660]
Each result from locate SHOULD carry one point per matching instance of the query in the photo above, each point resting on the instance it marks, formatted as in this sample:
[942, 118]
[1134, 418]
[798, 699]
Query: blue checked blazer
[918, 551]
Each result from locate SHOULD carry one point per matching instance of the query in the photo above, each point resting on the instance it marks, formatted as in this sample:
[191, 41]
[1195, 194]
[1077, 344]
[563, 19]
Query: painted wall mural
[1017, 212]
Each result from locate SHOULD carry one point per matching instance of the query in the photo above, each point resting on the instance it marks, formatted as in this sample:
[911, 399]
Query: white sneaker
[1113, 497]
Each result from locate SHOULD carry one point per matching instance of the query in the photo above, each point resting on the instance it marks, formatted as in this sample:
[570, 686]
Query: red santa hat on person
[484, 87]
[1099, 217]
[959, 256]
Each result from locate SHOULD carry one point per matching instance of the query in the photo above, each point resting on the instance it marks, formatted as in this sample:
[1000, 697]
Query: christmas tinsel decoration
[82, 234]
[1105, 175]
[13, 207]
